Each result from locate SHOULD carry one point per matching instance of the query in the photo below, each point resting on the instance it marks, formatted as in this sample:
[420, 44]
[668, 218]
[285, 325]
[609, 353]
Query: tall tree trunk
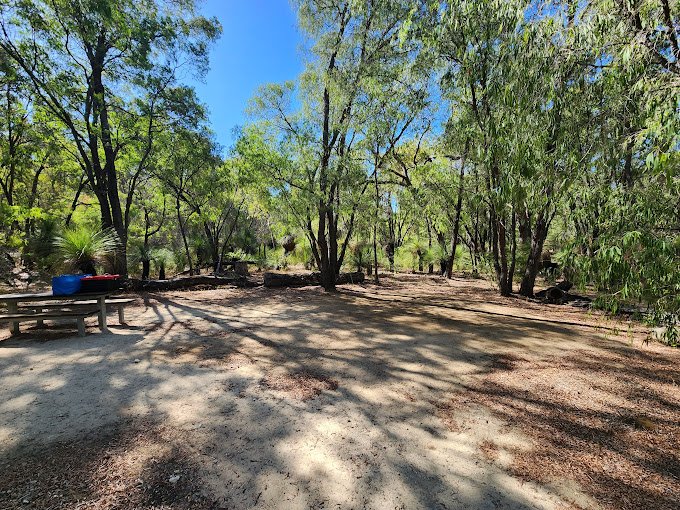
[430, 266]
[376, 278]
[459, 207]
[513, 249]
[184, 236]
[498, 238]
[146, 269]
[212, 236]
[533, 265]
[108, 172]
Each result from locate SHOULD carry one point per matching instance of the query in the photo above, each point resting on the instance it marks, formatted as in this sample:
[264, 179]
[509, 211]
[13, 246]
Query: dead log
[559, 295]
[564, 285]
[188, 282]
[275, 280]
[551, 295]
[347, 278]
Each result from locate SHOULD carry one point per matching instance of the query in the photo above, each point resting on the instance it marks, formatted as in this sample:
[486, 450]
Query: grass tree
[83, 249]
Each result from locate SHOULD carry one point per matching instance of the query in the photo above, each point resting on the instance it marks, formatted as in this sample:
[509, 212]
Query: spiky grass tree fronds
[82, 248]
[163, 259]
[40, 247]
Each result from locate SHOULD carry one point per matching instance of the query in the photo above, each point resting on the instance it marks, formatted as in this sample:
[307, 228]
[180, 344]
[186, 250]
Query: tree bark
[376, 278]
[184, 236]
[459, 207]
[533, 265]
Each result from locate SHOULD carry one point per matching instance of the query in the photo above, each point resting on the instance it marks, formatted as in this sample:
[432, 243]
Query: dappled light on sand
[379, 397]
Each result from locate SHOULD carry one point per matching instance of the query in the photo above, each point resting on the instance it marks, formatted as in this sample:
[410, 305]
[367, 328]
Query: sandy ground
[422, 393]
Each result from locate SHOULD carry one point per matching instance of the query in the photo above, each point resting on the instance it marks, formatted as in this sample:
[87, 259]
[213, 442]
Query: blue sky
[260, 44]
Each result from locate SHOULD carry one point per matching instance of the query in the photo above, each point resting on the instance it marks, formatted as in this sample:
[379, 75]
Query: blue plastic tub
[66, 284]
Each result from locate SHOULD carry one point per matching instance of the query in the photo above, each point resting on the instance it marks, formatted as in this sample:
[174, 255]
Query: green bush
[163, 260]
[83, 249]
[302, 254]
[360, 255]
[39, 249]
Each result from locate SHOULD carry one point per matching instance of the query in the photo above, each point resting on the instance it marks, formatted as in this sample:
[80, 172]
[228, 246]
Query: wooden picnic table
[98, 301]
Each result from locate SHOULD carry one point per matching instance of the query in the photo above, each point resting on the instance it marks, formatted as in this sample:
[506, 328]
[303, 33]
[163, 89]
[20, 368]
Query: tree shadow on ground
[198, 370]
[610, 422]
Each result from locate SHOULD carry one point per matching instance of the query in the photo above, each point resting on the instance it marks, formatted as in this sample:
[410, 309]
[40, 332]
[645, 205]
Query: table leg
[121, 315]
[81, 326]
[40, 322]
[102, 314]
[12, 308]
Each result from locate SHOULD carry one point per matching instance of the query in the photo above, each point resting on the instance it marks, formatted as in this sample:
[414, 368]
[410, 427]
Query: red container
[102, 283]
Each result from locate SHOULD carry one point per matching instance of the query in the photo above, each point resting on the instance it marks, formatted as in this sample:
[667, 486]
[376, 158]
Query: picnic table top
[48, 296]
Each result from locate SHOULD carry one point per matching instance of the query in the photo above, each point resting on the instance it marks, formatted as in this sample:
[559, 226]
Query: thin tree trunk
[430, 267]
[459, 206]
[513, 250]
[376, 278]
[184, 237]
[533, 265]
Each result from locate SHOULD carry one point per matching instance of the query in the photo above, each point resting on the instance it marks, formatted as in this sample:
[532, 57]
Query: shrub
[163, 259]
[82, 249]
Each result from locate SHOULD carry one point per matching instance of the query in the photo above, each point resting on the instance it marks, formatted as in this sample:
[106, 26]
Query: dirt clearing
[420, 393]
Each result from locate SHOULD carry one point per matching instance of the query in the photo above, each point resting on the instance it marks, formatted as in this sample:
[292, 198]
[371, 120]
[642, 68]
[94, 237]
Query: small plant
[361, 256]
[162, 259]
[668, 326]
[40, 245]
[237, 254]
[82, 249]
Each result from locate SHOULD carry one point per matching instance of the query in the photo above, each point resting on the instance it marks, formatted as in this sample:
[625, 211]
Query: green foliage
[163, 259]
[668, 324]
[83, 249]
[302, 254]
[525, 125]
[361, 256]
[40, 248]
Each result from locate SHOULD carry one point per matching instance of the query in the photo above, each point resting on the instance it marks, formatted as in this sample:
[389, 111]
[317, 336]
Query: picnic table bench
[43, 306]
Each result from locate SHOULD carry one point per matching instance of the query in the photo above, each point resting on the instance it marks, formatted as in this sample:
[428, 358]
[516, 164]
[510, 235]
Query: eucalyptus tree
[553, 142]
[32, 157]
[222, 209]
[88, 61]
[15, 130]
[187, 168]
[393, 110]
[323, 177]
[477, 42]
[516, 75]
[625, 215]
[152, 207]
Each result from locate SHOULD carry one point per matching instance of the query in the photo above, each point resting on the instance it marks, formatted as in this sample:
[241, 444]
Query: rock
[174, 478]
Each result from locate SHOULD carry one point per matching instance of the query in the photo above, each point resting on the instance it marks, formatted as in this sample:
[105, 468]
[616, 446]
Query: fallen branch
[187, 282]
[273, 280]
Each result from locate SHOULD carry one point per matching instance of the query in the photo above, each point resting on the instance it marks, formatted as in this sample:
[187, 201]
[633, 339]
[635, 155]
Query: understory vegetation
[503, 138]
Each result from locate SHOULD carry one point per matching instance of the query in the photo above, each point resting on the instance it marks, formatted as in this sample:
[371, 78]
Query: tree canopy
[498, 137]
